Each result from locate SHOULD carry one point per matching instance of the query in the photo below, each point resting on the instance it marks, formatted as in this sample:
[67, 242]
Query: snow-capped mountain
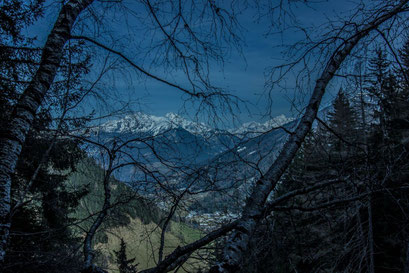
[154, 125]
[153, 140]
[143, 123]
[251, 129]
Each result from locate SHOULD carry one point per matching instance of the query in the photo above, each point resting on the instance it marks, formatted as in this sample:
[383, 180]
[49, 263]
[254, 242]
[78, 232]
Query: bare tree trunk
[177, 255]
[88, 250]
[362, 236]
[13, 136]
[365, 246]
[238, 243]
[167, 221]
[407, 259]
[165, 226]
[370, 237]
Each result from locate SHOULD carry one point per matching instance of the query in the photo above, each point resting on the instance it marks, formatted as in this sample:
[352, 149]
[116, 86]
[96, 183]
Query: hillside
[135, 220]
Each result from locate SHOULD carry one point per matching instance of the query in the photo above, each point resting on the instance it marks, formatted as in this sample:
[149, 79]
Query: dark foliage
[41, 237]
[371, 162]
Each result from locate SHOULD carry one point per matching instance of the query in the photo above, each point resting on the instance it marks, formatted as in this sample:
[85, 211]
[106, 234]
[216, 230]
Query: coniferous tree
[343, 121]
[387, 165]
[302, 241]
[384, 90]
[125, 265]
[42, 237]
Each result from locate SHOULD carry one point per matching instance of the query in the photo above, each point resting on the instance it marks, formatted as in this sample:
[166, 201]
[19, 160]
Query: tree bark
[165, 226]
[13, 136]
[362, 237]
[406, 270]
[237, 244]
[88, 249]
[370, 237]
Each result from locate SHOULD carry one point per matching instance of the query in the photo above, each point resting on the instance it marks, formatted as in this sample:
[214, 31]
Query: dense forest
[89, 184]
[357, 220]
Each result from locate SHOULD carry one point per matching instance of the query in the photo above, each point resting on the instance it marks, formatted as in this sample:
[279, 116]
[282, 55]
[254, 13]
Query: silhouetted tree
[125, 265]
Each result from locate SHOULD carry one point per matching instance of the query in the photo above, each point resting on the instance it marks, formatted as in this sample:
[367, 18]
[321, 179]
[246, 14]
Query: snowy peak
[190, 126]
[254, 128]
[143, 123]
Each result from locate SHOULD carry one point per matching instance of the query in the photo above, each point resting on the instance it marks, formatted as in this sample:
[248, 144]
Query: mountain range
[153, 125]
[161, 145]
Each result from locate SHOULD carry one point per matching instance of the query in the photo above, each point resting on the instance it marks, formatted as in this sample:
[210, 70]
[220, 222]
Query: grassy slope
[143, 243]
[136, 222]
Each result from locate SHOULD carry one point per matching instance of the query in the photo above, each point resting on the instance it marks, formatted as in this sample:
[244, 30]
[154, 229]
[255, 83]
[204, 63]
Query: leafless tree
[186, 48]
[191, 50]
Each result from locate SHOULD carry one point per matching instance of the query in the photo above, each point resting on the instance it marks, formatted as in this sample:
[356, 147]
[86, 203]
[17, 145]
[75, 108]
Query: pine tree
[349, 236]
[43, 239]
[304, 241]
[388, 168]
[125, 265]
[401, 122]
[343, 122]
[404, 56]
[384, 89]
[15, 55]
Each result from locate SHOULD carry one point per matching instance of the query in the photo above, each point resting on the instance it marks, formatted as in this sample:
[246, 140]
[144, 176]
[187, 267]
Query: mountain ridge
[144, 123]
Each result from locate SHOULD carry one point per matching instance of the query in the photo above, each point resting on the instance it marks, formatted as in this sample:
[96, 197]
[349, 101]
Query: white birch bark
[13, 136]
[237, 244]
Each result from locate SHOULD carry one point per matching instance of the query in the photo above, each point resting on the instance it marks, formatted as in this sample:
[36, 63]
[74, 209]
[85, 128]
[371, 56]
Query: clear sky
[243, 76]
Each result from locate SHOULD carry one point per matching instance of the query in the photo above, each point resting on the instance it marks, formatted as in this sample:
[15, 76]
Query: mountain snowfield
[154, 125]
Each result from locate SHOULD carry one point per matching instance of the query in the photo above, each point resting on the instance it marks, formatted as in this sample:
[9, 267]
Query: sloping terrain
[134, 219]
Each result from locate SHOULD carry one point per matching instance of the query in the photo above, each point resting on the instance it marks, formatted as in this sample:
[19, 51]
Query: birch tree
[256, 207]
[189, 53]
[253, 211]
[178, 45]
[350, 36]
[24, 112]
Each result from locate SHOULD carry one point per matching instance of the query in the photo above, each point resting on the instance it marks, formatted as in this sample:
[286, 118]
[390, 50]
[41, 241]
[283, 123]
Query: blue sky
[244, 78]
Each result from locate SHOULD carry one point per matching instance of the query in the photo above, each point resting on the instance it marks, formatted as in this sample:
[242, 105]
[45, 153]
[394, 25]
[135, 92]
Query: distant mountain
[153, 125]
[172, 146]
[242, 165]
[161, 144]
[251, 129]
